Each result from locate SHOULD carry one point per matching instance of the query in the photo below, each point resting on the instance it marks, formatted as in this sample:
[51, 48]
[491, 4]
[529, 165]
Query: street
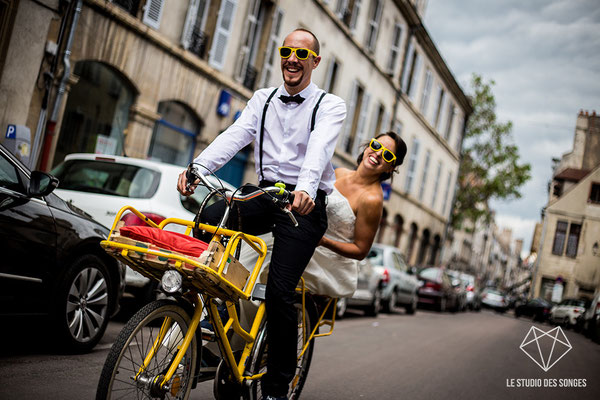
[426, 356]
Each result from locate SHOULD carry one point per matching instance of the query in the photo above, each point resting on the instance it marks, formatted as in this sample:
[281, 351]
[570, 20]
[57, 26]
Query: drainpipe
[51, 124]
[48, 78]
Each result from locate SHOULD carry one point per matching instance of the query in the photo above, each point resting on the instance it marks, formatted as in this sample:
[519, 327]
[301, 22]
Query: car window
[375, 256]
[9, 177]
[192, 203]
[430, 273]
[398, 262]
[107, 178]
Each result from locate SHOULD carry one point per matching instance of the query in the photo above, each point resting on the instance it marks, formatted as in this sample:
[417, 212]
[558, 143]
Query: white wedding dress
[327, 273]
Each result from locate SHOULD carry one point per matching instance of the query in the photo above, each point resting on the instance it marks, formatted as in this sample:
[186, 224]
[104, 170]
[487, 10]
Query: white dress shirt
[291, 153]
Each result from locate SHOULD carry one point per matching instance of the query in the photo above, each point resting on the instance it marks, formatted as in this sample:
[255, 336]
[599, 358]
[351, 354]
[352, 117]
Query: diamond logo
[545, 348]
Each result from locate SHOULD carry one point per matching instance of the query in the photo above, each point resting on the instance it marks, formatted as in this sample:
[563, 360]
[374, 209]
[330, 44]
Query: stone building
[157, 79]
[568, 263]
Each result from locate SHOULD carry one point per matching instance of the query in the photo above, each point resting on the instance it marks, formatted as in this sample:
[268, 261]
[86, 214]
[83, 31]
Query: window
[378, 120]
[394, 50]
[9, 176]
[426, 91]
[436, 184]
[355, 120]
[223, 29]
[573, 240]
[595, 193]
[175, 134]
[373, 27]
[413, 75]
[131, 6]
[152, 13]
[412, 165]
[447, 193]
[450, 121]
[347, 11]
[272, 53]
[331, 77]
[424, 176]
[559, 237]
[438, 107]
[8, 11]
[195, 37]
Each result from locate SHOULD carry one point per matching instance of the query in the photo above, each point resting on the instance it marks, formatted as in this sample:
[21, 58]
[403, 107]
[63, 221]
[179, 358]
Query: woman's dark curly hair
[400, 153]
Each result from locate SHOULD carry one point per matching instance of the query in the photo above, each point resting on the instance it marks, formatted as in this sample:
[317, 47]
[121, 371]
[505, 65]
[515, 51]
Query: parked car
[537, 308]
[494, 299]
[460, 287]
[567, 311]
[368, 291]
[437, 290]
[590, 320]
[399, 284]
[52, 260]
[473, 292]
[101, 185]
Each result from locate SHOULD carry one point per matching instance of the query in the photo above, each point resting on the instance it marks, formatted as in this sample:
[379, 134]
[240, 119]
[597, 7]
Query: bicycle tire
[258, 357]
[133, 344]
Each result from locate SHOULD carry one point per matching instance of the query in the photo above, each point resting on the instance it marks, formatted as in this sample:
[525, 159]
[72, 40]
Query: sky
[544, 57]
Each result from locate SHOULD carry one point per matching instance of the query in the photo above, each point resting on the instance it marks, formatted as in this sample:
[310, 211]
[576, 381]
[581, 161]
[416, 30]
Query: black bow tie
[296, 99]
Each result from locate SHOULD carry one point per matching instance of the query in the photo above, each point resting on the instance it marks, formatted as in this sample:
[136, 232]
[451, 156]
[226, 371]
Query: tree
[490, 167]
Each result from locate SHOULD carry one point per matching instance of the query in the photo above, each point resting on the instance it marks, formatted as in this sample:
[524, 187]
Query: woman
[354, 211]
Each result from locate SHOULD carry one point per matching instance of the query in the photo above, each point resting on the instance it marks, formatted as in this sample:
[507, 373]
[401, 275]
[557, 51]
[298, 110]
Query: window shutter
[407, 65]
[355, 11]
[272, 47]
[385, 122]
[350, 115]
[190, 21]
[361, 133]
[415, 77]
[250, 31]
[222, 32]
[152, 13]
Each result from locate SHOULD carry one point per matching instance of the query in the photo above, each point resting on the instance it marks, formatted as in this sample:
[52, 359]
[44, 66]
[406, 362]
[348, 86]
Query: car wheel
[375, 306]
[389, 305]
[411, 308]
[341, 306]
[82, 304]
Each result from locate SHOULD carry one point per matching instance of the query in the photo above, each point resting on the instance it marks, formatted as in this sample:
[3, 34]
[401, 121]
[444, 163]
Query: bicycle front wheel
[156, 332]
[258, 358]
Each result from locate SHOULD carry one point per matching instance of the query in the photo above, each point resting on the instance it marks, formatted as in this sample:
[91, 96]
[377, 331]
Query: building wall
[154, 62]
[582, 272]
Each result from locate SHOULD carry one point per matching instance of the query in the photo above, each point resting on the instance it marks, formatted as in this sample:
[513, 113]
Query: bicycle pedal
[207, 335]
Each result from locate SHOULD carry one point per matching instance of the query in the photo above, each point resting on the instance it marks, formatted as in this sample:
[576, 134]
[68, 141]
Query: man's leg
[292, 249]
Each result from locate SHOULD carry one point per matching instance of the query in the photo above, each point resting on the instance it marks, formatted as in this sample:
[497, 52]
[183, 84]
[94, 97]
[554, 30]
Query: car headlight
[171, 281]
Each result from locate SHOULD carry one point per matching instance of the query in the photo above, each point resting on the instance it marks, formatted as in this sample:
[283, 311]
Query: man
[287, 150]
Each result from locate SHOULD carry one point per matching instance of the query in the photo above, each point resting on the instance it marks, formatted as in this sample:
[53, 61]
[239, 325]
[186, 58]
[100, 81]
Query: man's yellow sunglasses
[386, 154]
[301, 53]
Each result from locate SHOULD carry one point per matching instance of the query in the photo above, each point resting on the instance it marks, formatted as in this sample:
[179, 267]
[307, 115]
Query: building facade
[160, 80]
[568, 264]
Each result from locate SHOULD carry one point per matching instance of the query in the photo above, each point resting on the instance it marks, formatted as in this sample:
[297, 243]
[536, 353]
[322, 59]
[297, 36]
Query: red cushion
[165, 239]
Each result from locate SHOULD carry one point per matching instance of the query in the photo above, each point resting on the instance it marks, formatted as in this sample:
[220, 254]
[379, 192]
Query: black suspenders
[262, 125]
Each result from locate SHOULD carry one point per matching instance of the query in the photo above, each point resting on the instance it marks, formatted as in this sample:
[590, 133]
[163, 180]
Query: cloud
[544, 56]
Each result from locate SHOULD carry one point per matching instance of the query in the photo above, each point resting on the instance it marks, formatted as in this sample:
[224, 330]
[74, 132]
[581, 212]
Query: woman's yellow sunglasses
[386, 154]
[301, 53]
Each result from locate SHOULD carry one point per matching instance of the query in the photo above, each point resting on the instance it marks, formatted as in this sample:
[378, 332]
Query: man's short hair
[316, 46]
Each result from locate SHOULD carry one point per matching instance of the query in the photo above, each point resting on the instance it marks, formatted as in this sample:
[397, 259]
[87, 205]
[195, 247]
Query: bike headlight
[171, 281]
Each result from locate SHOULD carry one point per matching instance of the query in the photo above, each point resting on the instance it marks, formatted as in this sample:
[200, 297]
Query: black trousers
[293, 247]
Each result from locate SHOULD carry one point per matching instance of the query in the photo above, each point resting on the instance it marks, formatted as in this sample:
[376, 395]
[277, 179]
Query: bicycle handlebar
[192, 174]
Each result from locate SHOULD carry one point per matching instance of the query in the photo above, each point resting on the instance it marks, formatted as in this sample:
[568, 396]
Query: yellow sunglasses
[301, 53]
[386, 154]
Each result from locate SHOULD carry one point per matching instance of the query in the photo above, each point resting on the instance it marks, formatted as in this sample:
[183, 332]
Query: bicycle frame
[204, 291]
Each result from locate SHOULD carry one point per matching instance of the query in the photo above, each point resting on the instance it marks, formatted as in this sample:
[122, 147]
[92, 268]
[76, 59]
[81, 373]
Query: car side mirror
[41, 184]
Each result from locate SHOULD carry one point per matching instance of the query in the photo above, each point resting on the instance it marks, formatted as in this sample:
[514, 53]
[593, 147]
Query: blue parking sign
[11, 132]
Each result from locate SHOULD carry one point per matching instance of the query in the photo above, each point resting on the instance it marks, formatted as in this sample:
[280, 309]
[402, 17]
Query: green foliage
[490, 167]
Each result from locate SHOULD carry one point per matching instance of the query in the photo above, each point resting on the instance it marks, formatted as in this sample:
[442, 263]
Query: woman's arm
[368, 217]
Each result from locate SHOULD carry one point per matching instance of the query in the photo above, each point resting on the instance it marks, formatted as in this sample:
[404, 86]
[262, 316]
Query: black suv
[52, 262]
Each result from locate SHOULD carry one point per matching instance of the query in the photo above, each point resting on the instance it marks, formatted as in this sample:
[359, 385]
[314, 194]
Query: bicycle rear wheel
[122, 376]
[258, 358]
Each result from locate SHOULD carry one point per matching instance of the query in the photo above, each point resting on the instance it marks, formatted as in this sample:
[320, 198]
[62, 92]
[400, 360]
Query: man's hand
[303, 204]
[182, 185]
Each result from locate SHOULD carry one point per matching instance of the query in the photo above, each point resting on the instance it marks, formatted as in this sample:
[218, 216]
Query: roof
[572, 174]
